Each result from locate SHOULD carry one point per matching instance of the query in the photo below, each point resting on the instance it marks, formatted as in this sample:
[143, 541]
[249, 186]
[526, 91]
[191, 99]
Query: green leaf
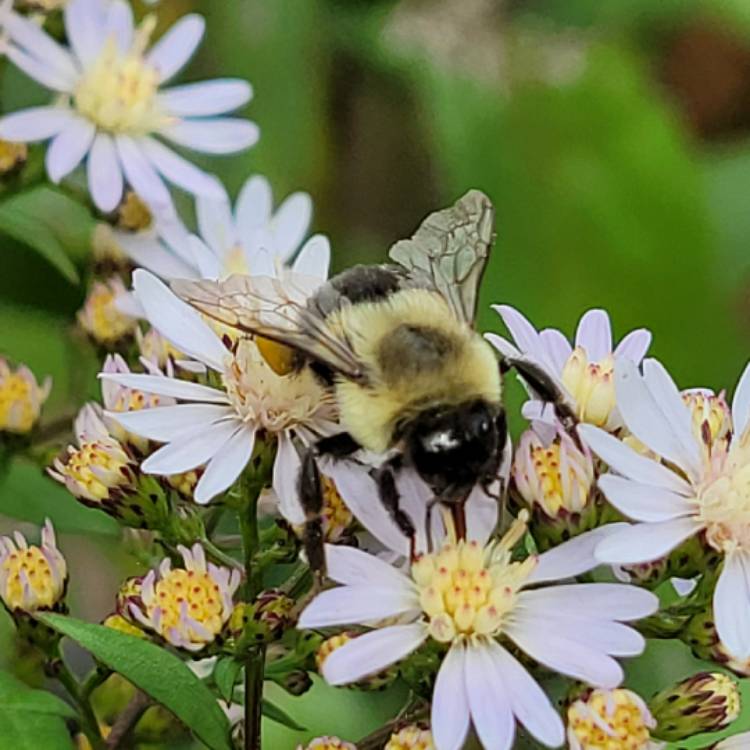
[154, 670]
[32, 719]
[225, 675]
[48, 221]
[273, 712]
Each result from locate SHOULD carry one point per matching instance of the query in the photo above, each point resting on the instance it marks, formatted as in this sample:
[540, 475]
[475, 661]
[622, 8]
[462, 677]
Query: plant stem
[219, 555]
[89, 723]
[127, 720]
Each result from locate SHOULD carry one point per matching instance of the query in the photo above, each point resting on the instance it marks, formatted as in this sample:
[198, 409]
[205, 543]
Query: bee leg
[311, 498]
[339, 445]
[385, 478]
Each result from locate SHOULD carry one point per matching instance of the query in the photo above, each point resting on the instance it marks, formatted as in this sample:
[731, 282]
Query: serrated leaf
[225, 676]
[154, 670]
[31, 719]
[273, 712]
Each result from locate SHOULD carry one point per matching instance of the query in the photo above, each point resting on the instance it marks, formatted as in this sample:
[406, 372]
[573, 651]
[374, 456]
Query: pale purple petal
[178, 322]
[503, 345]
[286, 470]
[372, 652]
[290, 223]
[482, 513]
[224, 468]
[218, 135]
[524, 334]
[173, 51]
[165, 423]
[40, 70]
[352, 566]
[119, 24]
[644, 502]
[164, 386]
[216, 223]
[732, 605]
[206, 98]
[204, 258]
[449, 718]
[594, 334]
[350, 605]
[645, 542]
[104, 174]
[741, 403]
[68, 148]
[254, 206]
[84, 27]
[314, 258]
[35, 124]
[141, 174]
[613, 600]
[151, 254]
[557, 346]
[634, 346]
[624, 460]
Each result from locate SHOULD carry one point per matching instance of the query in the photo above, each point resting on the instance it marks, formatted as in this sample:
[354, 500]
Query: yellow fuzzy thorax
[402, 386]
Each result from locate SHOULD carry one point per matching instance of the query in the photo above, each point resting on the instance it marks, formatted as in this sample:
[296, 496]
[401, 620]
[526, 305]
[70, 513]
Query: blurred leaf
[27, 494]
[154, 670]
[225, 675]
[273, 712]
[32, 719]
[51, 223]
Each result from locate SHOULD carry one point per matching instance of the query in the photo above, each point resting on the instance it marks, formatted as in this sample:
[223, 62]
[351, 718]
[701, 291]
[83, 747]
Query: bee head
[452, 449]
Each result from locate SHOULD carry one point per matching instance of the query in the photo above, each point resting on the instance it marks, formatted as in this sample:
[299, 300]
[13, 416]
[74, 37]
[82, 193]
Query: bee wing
[275, 309]
[450, 249]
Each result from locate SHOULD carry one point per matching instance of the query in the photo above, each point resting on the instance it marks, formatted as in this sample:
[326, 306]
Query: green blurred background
[612, 135]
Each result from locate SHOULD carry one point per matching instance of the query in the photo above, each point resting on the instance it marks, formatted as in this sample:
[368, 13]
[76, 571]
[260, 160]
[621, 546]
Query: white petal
[557, 346]
[206, 98]
[449, 717]
[735, 742]
[634, 346]
[594, 334]
[572, 558]
[613, 600]
[524, 334]
[40, 70]
[482, 513]
[216, 223]
[224, 468]
[349, 605]
[163, 386]
[489, 702]
[290, 223]
[503, 345]
[528, 701]
[354, 567]
[314, 258]
[370, 653]
[178, 322]
[172, 52]
[286, 469]
[643, 502]
[68, 148]
[218, 135]
[141, 174]
[645, 542]
[35, 124]
[119, 24]
[180, 171]
[151, 254]
[254, 206]
[84, 25]
[204, 258]
[624, 460]
[741, 403]
[192, 450]
[165, 423]
[732, 606]
[564, 655]
[104, 174]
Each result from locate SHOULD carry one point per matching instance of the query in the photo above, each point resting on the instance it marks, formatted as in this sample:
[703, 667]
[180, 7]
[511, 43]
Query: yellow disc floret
[12, 155]
[21, 398]
[609, 720]
[592, 386]
[133, 215]
[101, 318]
[327, 743]
[411, 738]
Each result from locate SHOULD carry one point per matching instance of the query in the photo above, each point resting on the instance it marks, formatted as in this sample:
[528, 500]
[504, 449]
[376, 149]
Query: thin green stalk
[89, 723]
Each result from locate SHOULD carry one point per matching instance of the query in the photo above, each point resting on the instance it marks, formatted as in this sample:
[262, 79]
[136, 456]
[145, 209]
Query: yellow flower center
[12, 155]
[467, 590]
[133, 215]
[272, 401]
[336, 516]
[592, 386]
[184, 483]
[28, 581]
[100, 317]
[610, 720]
[183, 596]
[96, 468]
[20, 402]
[711, 421]
[328, 743]
[411, 738]
[118, 92]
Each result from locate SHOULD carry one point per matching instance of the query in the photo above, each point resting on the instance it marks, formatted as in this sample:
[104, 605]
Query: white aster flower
[701, 487]
[584, 373]
[111, 109]
[217, 426]
[242, 240]
[467, 596]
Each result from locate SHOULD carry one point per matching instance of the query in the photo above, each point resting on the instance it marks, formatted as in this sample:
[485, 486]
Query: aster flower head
[217, 426]
[584, 372]
[188, 606]
[327, 743]
[412, 737]
[32, 577]
[614, 719]
[21, 398]
[699, 487]
[111, 108]
[101, 318]
[465, 596]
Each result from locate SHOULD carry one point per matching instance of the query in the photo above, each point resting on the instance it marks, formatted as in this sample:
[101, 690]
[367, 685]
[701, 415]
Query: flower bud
[413, 737]
[32, 578]
[592, 386]
[296, 682]
[705, 702]
[327, 743]
[133, 215]
[377, 681]
[273, 609]
[21, 398]
[613, 719]
[100, 317]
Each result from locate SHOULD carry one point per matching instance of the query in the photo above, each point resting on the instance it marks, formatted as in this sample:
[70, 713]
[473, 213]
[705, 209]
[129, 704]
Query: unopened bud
[21, 398]
[296, 682]
[100, 317]
[705, 702]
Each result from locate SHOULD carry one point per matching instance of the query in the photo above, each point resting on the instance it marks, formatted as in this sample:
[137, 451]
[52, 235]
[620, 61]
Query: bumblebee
[396, 344]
